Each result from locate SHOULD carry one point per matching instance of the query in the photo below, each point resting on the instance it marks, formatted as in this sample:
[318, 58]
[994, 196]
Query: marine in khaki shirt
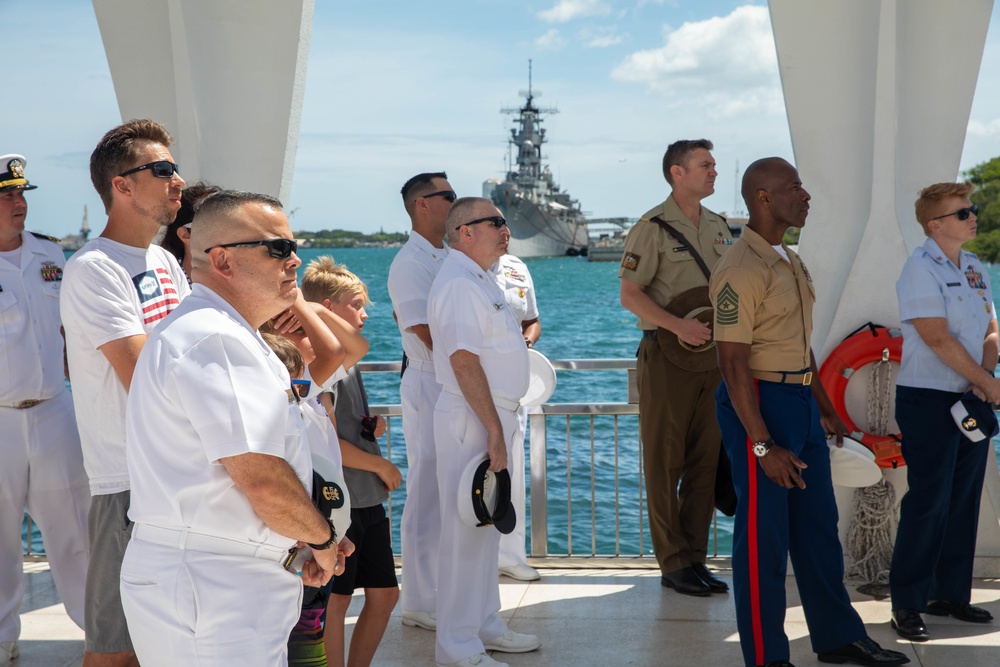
[766, 301]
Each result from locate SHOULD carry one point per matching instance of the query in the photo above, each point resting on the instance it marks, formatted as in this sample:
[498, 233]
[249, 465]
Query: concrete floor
[588, 617]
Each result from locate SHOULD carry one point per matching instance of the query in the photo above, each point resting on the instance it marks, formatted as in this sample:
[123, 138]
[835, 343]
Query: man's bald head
[221, 219]
[763, 174]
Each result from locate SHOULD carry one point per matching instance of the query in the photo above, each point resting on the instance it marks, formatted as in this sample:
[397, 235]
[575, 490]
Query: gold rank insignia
[630, 261]
[969, 423]
[727, 309]
[331, 492]
[520, 292]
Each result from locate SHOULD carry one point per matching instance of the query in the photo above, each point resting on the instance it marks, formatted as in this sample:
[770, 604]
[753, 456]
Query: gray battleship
[544, 221]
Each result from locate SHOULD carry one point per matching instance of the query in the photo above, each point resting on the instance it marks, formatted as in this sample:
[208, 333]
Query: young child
[369, 477]
[305, 644]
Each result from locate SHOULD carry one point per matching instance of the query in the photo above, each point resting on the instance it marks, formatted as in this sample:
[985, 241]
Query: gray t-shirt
[350, 404]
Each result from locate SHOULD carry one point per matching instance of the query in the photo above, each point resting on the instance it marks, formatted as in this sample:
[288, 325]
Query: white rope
[869, 539]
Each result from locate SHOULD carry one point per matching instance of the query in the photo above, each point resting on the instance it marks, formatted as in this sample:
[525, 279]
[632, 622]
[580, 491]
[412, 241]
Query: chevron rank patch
[727, 308]
[630, 261]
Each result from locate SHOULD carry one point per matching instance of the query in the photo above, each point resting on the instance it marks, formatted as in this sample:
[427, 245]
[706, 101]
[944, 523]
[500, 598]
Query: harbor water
[581, 319]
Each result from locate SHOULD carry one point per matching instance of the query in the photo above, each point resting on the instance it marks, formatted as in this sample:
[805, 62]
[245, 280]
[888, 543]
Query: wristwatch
[329, 542]
[760, 449]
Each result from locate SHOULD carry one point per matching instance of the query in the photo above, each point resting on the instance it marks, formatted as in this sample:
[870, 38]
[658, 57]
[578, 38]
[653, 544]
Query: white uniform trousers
[420, 528]
[512, 549]
[468, 590]
[41, 469]
[187, 607]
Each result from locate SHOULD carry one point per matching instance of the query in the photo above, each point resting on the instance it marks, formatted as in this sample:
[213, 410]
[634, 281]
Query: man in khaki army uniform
[776, 421]
[677, 422]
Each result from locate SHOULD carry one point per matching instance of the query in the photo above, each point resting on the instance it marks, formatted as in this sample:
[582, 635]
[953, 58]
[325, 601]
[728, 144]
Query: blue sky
[395, 88]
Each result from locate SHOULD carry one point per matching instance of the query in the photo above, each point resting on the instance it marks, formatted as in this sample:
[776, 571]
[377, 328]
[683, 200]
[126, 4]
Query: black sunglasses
[277, 248]
[962, 213]
[497, 221]
[447, 195]
[160, 169]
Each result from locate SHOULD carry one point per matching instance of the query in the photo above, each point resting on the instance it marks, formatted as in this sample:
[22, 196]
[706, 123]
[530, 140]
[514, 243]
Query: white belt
[180, 538]
[420, 364]
[508, 404]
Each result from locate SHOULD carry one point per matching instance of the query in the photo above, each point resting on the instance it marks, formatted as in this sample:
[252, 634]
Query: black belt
[648, 334]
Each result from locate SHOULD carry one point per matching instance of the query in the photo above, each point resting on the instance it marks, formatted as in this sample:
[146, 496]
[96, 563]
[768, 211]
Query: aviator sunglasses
[447, 195]
[160, 169]
[277, 248]
[962, 214]
[497, 221]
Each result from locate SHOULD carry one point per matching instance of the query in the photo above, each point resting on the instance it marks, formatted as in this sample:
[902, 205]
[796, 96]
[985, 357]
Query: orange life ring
[872, 343]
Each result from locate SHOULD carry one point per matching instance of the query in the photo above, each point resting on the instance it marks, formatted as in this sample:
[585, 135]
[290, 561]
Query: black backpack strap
[680, 237]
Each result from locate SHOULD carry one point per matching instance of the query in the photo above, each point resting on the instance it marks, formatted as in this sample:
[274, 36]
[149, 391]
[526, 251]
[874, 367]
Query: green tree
[986, 178]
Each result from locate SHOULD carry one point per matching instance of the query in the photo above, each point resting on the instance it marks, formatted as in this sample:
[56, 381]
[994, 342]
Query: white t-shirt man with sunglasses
[115, 290]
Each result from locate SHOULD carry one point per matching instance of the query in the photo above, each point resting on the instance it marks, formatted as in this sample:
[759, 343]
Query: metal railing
[578, 490]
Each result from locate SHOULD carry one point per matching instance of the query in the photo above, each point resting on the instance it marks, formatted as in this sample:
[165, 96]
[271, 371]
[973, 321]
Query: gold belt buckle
[807, 378]
[290, 558]
[30, 403]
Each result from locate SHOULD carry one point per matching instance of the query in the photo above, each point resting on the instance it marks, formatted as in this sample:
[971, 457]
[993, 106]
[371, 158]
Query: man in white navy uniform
[42, 465]
[115, 290]
[427, 198]
[482, 364]
[220, 469]
[514, 280]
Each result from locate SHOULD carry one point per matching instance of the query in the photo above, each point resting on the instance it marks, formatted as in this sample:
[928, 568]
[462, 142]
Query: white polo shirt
[467, 311]
[207, 386]
[931, 286]
[31, 364]
[413, 270]
[111, 291]
[513, 278]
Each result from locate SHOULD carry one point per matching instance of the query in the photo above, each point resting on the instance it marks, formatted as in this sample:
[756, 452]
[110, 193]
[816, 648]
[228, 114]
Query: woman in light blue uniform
[949, 347]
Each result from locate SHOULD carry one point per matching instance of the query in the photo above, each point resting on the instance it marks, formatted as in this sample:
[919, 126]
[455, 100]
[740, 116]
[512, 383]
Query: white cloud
[734, 53]
[550, 41]
[567, 10]
[600, 39]
[988, 129]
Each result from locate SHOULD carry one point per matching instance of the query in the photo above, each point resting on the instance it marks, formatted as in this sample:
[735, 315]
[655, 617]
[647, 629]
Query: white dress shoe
[478, 660]
[521, 572]
[9, 651]
[420, 619]
[513, 642]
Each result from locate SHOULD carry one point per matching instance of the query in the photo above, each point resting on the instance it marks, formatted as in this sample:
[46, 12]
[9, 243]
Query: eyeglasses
[301, 387]
[277, 248]
[497, 221]
[962, 213]
[447, 195]
[160, 169]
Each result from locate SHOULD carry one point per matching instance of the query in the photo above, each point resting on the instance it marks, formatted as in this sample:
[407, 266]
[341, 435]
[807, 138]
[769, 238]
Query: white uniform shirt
[513, 278]
[111, 291]
[31, 360]
[413, 270]
[467, 311]
[207, 386]
[931, 286]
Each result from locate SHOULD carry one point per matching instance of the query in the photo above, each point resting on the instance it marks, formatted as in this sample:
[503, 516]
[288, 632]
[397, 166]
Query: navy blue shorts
[371, 565]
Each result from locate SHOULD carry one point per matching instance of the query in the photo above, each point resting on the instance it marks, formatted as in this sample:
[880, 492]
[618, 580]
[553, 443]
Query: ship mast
[527, 138]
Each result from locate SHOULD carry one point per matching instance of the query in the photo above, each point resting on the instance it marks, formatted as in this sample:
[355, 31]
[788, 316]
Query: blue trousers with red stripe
[773, 523]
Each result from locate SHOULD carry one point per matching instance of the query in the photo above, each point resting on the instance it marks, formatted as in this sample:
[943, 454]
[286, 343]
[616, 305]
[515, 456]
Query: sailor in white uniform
[513, 278]
[221, 473]
[42, 464]
[427, 198]
[482, 364]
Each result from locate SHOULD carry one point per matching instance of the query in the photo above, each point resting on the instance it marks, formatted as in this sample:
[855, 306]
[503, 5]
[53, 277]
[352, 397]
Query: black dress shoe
[963, 611]
[714, 584]
[864, 652]
[686, 582]
[908, 625]
[779, 663]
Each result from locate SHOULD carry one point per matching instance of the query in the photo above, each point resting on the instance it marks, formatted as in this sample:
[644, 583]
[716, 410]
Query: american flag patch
[157, 294]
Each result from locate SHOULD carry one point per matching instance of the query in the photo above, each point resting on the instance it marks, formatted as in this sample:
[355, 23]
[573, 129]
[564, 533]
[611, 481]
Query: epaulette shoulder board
[46, 237]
